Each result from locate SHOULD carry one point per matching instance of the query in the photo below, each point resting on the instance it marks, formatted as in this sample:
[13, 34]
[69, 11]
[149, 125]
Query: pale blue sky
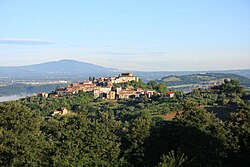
[127, 34]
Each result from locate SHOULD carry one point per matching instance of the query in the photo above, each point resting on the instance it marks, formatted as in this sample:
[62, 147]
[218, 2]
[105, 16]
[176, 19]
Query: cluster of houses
[102, 87]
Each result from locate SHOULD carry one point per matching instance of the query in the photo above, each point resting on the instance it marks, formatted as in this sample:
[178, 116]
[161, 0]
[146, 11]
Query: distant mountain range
[74, 70]
[63, 69]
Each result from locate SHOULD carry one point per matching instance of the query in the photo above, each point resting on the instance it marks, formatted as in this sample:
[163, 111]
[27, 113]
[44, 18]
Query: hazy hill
[67, 69]
[155, 75]
[74, 70]
[174, 80]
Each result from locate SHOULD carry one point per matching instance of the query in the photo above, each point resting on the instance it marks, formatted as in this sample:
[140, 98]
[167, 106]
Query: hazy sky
[127, 34]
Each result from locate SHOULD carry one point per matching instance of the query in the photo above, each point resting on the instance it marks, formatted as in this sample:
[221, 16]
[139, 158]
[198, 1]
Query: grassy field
[171, 79]
[2, 84]
[186, 85]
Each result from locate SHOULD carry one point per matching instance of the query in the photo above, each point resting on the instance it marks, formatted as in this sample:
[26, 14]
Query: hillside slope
[203, 78]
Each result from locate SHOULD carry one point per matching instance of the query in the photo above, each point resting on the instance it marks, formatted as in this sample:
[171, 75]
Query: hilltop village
[104, 87]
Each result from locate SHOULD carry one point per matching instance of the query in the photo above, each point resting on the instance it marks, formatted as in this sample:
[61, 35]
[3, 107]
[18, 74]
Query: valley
[47, 76]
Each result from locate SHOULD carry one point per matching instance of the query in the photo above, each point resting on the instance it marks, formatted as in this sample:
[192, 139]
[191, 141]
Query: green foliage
[152, 85]
[47, 105]
[136, 132]
[172, 159]
[80, 141]
[138, 84]
[128, 132]
[239, 123]
[210, 125]
[202, 137]
[162, 88]
[231, 87]
[134, 84]
[21, 142]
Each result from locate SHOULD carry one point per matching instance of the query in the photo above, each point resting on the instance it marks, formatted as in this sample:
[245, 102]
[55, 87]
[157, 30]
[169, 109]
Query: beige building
[43, 94]
[53, 95]
[112, 95]
[105, 89]
[125, 77]
[61, 111]
[125, 94]
[149, 93]
[118, 89]
[96, 92]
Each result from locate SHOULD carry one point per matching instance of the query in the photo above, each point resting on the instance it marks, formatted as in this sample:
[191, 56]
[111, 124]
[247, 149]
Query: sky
[145, 35]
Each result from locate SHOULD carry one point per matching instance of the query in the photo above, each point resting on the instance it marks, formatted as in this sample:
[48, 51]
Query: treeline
[128, 132]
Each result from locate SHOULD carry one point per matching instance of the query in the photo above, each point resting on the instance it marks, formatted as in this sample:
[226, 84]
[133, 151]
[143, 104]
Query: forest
[211, 129]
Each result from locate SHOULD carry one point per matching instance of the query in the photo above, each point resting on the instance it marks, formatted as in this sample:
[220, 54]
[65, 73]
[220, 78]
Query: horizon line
[129, 70]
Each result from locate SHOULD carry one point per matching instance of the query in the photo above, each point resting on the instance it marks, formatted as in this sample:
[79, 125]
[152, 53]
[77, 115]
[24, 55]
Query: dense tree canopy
[21, 141]
[129, 132]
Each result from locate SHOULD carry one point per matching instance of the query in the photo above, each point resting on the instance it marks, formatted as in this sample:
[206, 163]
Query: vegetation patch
[129, 132]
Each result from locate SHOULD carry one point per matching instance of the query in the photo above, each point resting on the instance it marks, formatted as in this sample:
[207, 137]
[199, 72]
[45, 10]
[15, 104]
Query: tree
[214, 141]
[189, 105]
[172, 159]
[81, 141]
[239, 123]
[152, 85]
[231, 87]
[198, 134]
[21, 141]
[162, 88]
[135, 133]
